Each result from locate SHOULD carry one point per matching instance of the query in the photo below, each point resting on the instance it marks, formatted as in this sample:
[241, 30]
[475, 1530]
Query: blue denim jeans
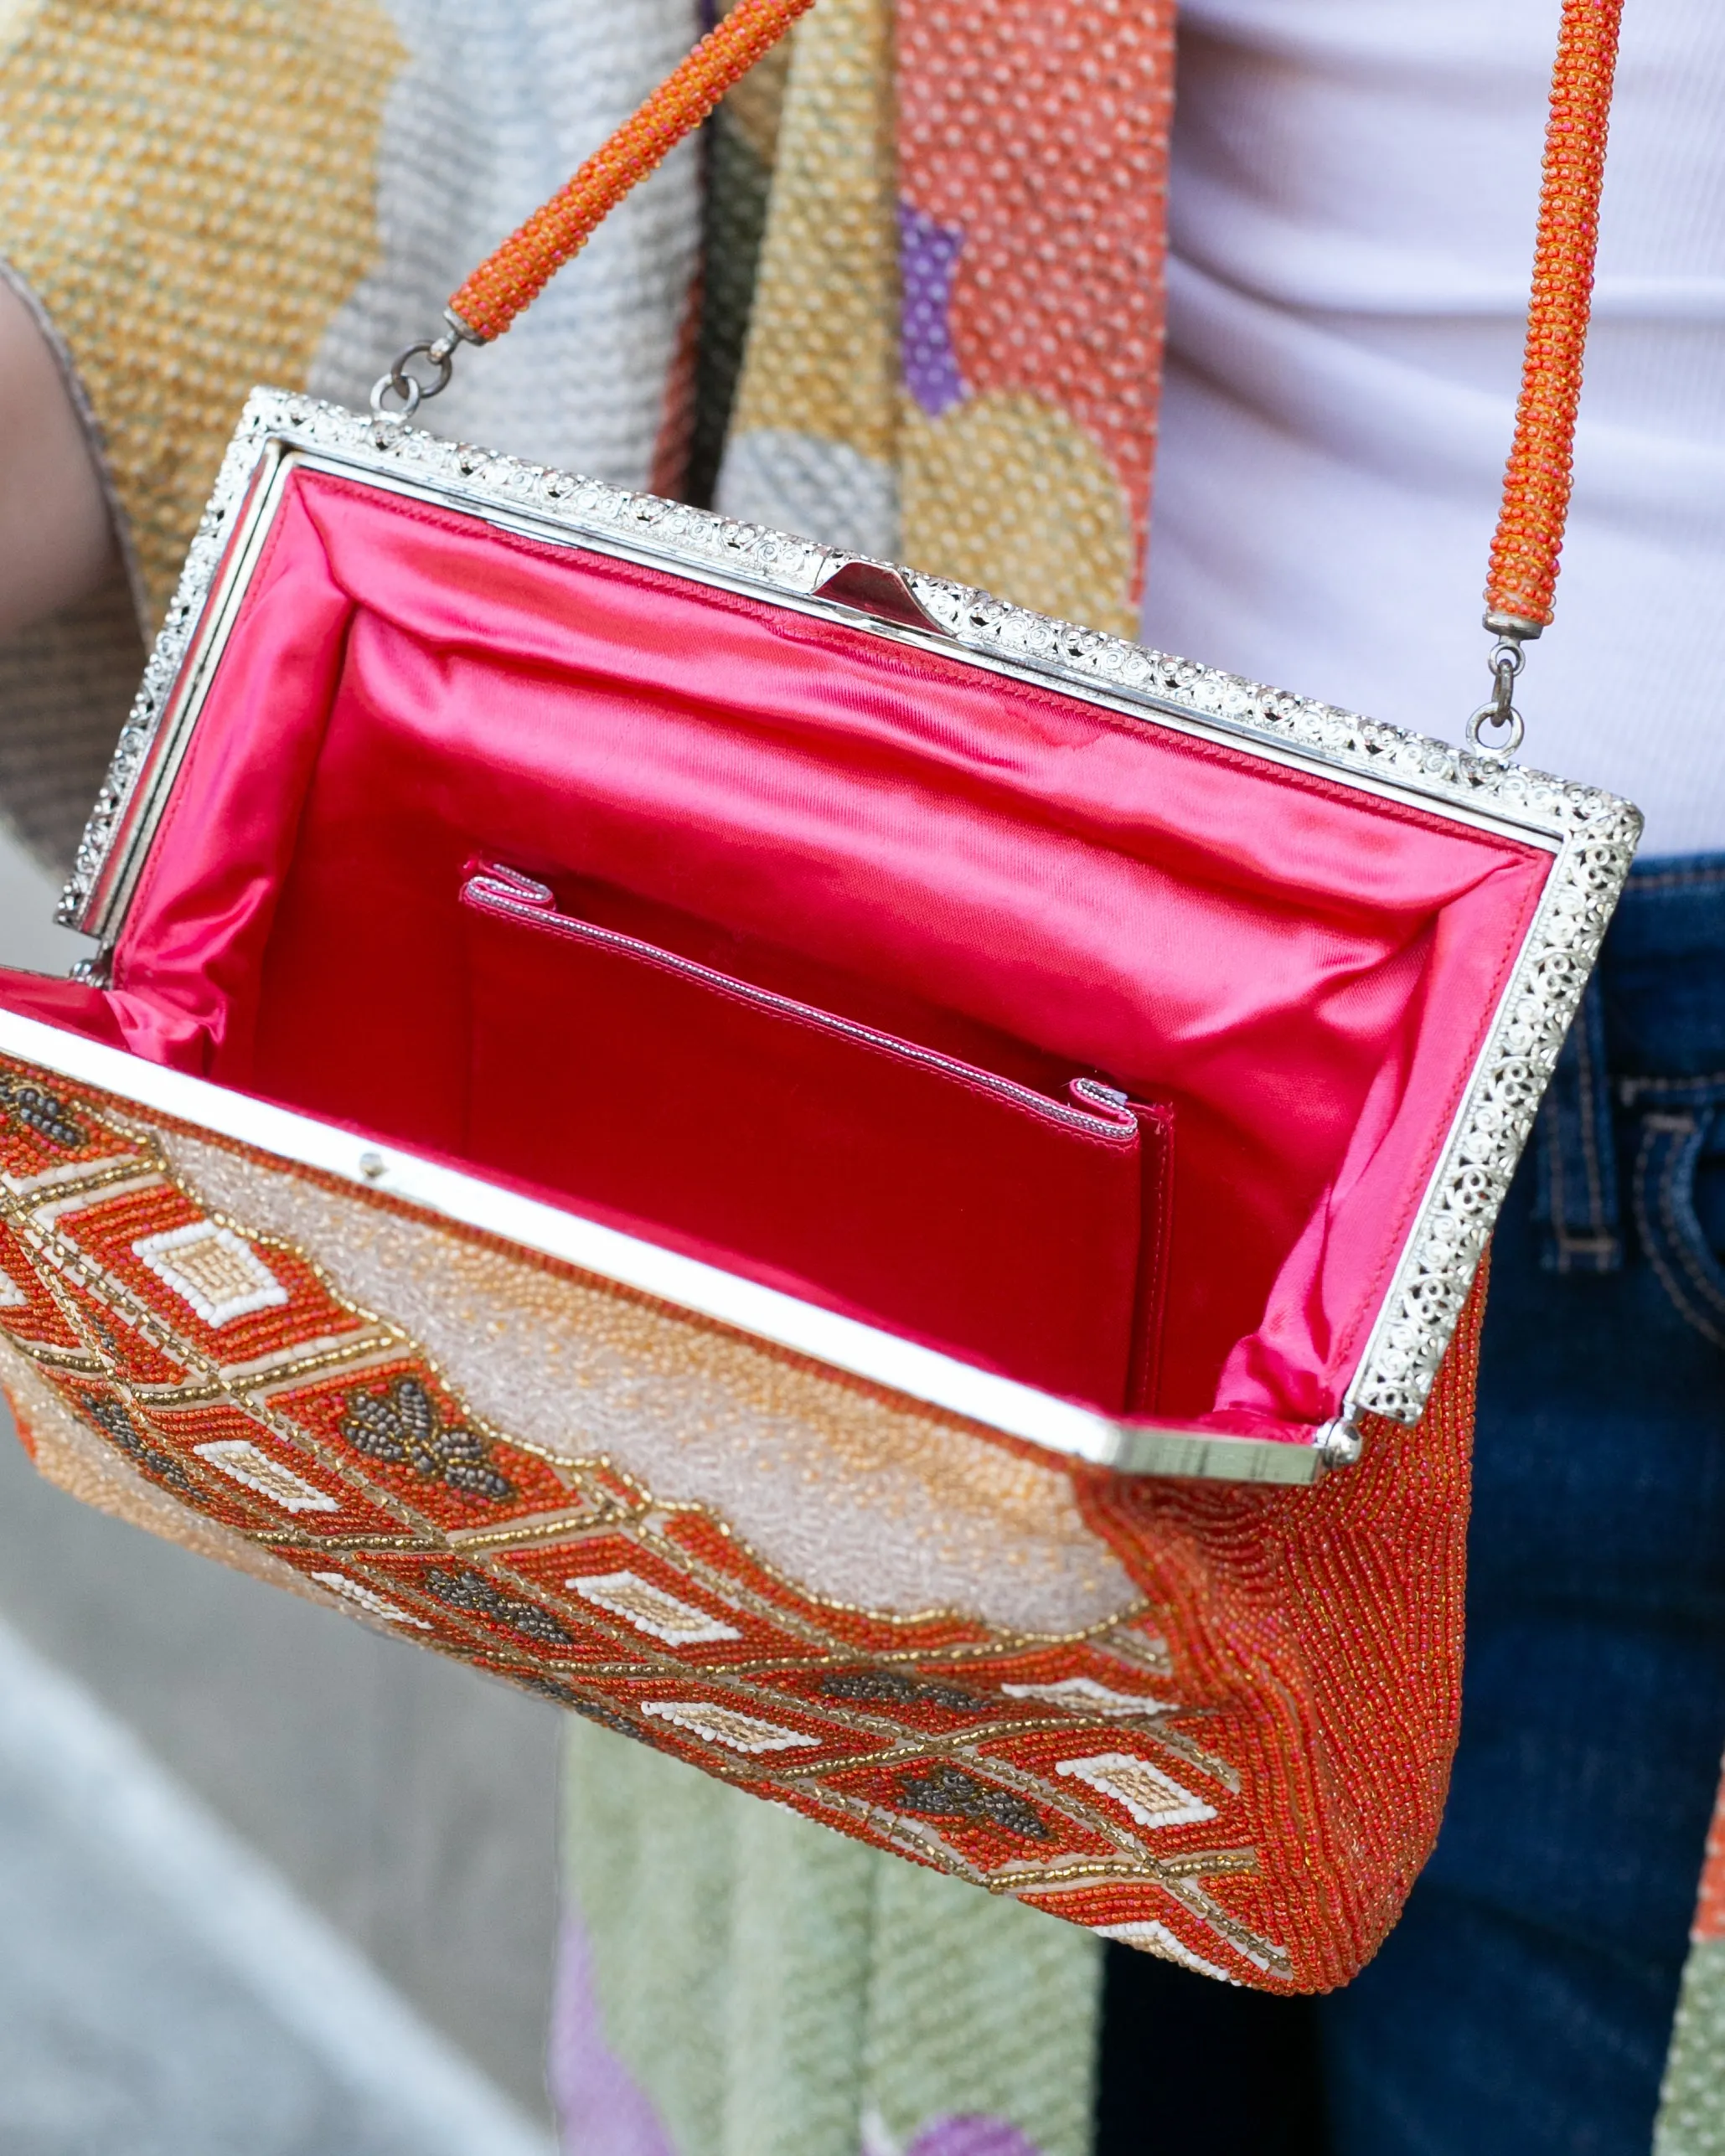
[1524, 2004]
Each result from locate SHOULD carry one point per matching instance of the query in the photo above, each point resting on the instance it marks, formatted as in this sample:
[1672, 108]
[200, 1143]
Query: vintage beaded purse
[832, 1172]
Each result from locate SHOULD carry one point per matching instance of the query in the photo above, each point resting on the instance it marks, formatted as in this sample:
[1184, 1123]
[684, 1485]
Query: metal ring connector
[405, 387]
[1507, 660]
[409, 387]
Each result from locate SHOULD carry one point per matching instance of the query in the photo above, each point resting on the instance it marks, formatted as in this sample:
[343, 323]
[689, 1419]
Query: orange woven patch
[1033, 156]
[1710, 1903]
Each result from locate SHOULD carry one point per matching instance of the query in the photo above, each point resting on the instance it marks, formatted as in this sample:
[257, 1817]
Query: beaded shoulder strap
[514, 276]
[510, 280]
[1529, 538]
[1521, 582]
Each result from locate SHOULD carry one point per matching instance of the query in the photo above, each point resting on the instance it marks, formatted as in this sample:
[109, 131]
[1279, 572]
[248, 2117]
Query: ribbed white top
[1352, 212]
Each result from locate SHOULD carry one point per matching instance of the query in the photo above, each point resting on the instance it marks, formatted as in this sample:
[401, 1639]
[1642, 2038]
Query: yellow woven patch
[14, 20]
[1010, 493]
[189, 187]
[822, 353]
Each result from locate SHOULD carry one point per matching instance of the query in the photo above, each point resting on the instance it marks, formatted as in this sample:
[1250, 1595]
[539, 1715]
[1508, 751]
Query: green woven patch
[776, 1989]
[1692, 2113]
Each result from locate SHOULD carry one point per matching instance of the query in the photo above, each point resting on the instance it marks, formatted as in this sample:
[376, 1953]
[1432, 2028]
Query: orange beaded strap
[1537, 483]
[514, 277]
[1535, 488]
[527, 261]
[1523, 576]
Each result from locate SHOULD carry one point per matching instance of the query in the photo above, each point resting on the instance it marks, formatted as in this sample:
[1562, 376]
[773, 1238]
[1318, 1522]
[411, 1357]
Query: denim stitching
[1650, 1139]
[1550, 1155]
[1682, 1224]
[1629, 1090]
[1600, 1244]
[1590, 1136]
[1654, 1130]
[1574, 1130]
[1678, 879]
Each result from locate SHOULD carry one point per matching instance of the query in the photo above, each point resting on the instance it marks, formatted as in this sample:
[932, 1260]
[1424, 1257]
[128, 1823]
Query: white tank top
[1352, 210]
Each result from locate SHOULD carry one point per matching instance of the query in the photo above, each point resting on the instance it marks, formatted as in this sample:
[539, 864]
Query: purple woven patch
[972, 2136]
[602, 2110]
[928, 258]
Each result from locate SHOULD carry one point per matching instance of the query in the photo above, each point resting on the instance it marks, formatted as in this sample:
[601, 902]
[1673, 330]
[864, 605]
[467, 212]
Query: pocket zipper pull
[511, 883]
[1097, 1099]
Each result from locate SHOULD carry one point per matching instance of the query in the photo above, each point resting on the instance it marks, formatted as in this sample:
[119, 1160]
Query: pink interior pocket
[879, 1176]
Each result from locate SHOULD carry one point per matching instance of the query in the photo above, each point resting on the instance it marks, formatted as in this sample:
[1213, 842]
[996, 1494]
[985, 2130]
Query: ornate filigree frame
[1592, 834]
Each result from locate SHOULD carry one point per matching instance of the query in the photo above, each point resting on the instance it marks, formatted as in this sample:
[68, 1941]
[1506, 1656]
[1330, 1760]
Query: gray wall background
[409, 1800]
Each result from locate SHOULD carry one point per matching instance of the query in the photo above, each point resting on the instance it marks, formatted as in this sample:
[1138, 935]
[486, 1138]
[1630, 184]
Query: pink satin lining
[1306, 971]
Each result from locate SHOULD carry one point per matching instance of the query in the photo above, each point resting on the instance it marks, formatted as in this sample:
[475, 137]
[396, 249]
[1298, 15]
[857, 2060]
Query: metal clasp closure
[409, 387]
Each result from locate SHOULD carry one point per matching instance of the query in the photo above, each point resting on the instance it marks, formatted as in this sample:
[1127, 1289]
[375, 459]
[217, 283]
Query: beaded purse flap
[702, 1121]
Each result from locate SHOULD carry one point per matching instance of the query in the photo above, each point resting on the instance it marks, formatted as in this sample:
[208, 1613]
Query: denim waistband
[1648, 1043]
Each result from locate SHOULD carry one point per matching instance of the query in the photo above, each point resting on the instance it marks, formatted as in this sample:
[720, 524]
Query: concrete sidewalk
[163, 1993]
[395, 1815]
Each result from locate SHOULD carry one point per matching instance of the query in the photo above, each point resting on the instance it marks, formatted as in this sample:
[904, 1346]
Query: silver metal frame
[1592, 836]
[919, 1374]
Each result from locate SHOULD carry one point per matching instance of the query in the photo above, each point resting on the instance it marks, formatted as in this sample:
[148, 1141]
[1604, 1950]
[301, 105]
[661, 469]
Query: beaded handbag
[873, 1190]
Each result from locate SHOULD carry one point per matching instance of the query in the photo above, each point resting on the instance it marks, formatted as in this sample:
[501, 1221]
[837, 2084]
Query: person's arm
[55, 536]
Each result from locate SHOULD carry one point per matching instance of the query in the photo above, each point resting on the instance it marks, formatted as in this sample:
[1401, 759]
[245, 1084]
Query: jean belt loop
[1575, 1153]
